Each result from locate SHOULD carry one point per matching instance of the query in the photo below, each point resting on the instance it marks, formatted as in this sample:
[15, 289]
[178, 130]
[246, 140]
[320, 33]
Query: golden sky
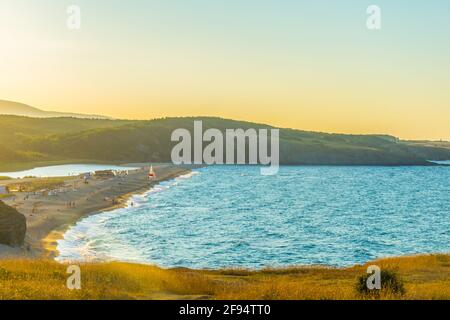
[312, 66]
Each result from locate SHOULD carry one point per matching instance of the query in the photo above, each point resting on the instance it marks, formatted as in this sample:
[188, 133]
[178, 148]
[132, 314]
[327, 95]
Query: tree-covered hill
[25, 140]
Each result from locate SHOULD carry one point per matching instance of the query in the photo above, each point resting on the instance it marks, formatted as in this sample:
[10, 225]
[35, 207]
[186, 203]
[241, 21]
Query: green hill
[27, 140]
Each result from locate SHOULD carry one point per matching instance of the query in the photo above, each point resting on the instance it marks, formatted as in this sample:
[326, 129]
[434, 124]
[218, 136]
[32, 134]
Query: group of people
[71, 204]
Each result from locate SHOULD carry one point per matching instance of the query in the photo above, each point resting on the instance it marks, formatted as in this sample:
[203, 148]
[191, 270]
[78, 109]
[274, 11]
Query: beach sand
[48, 217]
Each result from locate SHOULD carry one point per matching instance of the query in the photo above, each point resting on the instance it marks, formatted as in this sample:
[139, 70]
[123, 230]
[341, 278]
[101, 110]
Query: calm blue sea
[231, 216]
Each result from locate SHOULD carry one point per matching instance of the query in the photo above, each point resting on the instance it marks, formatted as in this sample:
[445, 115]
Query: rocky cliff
[12, 226]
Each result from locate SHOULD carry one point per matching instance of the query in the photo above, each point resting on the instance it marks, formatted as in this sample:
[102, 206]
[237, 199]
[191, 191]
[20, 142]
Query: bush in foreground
[391, 284]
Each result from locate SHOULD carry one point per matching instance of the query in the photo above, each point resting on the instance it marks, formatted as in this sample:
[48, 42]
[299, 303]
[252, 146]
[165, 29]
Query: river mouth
[62, 170]
[231, 216]
[446, 162]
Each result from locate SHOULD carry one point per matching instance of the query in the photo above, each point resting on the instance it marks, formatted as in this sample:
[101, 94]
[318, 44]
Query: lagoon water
[231, 216]
[61, 170]
[446, 162]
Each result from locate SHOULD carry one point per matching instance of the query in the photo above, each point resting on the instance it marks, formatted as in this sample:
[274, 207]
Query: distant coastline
[12, 167]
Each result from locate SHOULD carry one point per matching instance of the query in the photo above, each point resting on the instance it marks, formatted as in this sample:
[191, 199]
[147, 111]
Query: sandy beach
[48, 217]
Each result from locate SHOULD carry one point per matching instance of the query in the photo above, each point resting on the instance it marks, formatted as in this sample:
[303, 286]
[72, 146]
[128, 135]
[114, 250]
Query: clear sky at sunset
[310, 65]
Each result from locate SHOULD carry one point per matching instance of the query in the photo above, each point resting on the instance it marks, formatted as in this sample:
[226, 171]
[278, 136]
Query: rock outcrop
[12, 226]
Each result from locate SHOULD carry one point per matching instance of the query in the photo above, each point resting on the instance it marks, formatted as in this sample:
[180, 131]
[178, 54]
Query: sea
[232, 216]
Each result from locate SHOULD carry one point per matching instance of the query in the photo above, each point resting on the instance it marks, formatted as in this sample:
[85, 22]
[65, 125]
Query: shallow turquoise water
[62, 170]
[229, 216]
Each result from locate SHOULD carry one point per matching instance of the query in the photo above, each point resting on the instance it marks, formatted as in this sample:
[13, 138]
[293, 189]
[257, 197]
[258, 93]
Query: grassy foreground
[424, 277]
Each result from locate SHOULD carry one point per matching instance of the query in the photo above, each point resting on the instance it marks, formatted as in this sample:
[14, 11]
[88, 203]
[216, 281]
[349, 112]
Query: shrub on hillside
[390, 284]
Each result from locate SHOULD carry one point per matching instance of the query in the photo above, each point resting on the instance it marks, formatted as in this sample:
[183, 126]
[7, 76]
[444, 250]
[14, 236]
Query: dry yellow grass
[425, 277]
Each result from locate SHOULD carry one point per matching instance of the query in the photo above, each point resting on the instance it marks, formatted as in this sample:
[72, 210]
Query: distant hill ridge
[20, 109]
[29, 140]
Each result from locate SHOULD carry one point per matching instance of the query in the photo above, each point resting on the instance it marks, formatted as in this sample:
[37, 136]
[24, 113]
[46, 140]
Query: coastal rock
[12, 226]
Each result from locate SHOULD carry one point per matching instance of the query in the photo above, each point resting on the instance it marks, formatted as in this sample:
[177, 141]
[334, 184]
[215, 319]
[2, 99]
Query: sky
[311, 65]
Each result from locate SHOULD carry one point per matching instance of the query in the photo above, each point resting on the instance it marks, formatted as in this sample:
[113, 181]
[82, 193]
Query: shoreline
[48, 218]
[50, 244]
